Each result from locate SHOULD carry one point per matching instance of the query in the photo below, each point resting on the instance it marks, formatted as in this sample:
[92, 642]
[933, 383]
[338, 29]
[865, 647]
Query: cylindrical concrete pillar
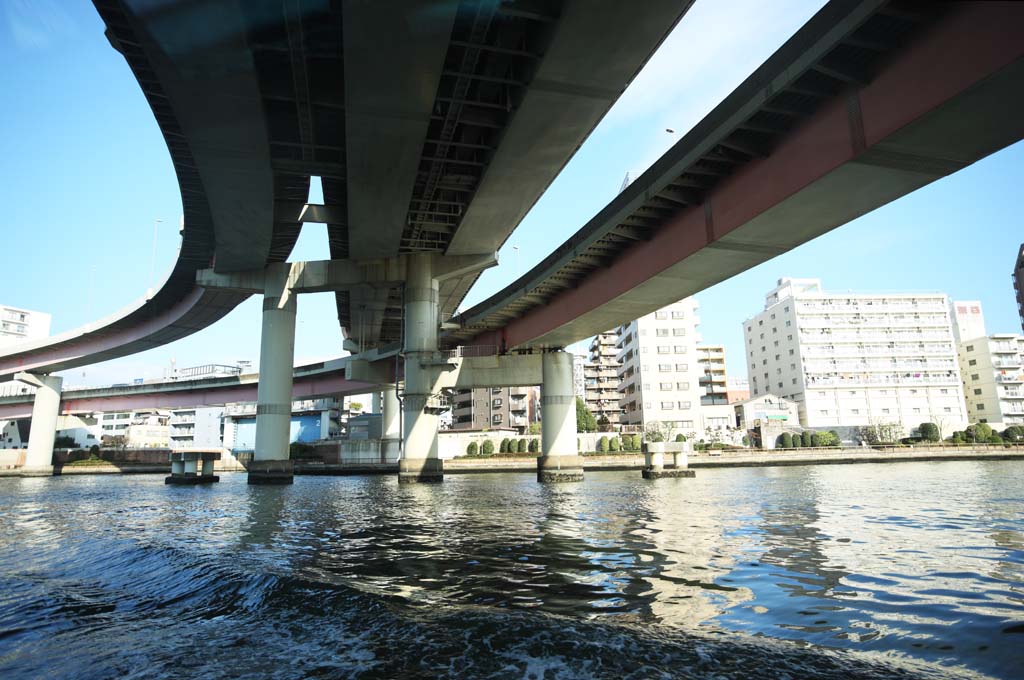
[271, 463]
[559, 460]
[45, 408]
[191, 466]
[389, 426]
[419, 462]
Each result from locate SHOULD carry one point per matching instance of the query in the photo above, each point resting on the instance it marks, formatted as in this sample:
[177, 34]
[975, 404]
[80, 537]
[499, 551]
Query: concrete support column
[420, 462]
[191, 466]
[208, 467]
[39, 457]
[177, 467]
[559, 460]
[271, 463]
[390, 427]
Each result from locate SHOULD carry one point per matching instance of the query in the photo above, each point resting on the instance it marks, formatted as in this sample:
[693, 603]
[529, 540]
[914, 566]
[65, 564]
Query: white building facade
[993, 374]
[19, 325]
[659, 375]
[853, 360]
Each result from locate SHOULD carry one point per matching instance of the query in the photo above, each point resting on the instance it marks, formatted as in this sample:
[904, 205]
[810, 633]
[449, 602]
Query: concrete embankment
[618, 461]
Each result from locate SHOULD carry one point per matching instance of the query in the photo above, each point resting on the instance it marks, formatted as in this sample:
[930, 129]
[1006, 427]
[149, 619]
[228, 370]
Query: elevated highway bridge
[435, 126]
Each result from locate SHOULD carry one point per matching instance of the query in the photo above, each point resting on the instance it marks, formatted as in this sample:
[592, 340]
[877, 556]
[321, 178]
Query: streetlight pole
[152, 258]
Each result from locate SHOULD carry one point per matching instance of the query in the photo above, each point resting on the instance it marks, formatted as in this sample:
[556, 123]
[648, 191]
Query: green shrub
[613, 444]
[805, 438]
[522, 446]
[680, 437]
[994, 439]
[836, 440]
[815, 440]
[488, 448]
[1014, 433]
[472, 449]
[929, 432]
[638, 442]
[94, 451]
[602, 444]
[786, 440]
[534, 446]
[798, 441]
[64, 442]
[503, 448]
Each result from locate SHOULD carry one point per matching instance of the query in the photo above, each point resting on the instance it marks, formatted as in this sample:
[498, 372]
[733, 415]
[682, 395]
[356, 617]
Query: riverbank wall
[610, 461]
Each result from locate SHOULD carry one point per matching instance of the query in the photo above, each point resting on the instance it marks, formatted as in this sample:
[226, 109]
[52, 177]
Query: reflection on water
[912, 570]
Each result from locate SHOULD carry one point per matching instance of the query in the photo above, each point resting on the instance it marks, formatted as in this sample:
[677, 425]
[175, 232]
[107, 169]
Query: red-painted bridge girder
[950, 98]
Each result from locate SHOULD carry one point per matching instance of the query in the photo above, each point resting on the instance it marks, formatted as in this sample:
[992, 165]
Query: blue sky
[84, 173]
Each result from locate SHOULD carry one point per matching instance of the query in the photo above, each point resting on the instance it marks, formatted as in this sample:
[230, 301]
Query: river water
[846, 571]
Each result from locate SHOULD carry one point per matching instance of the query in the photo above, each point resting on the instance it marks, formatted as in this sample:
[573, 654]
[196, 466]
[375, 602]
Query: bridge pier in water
[271, 462]
[420, 461]
[45, 408]
[559, 460]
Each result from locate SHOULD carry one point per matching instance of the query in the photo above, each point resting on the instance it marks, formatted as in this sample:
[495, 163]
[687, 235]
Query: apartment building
[199, 428]
[993, 373]
[737, 389]
[493, 407]
[601, 379]
[851, 360]
[968, 320]
[659, 374]
[711, 364]
[19, 325]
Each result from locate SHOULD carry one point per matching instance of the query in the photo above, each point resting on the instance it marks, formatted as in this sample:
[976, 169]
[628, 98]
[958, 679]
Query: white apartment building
[18, 325]
[993, 371]
[968, 320]
[659, 375]
[851, 360]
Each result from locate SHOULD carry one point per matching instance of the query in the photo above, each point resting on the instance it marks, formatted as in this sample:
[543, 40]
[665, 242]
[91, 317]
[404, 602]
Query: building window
[661, 332]
[666, 406]
[917, 410]
[791, 352]
[665, 386]
[664, 349]
[661, 315]
[761, 336]
[789, 323]
[684, 405]
[981, 407]
[794, 381]
[680, 349]
[970, 348]
[972, 362]
[496, 418]
[977, 390]
[885, 410]
[665, 368]
[682, 367]
[496, 403]
[776, 357]
[678, 315]
[974, 376]
[792, 367]
[947, 410]
[686, 423]
[823, 412]
[682, 385]
[678, 332]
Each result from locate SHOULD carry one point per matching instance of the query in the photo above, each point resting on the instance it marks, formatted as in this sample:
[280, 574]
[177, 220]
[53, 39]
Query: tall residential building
[601, 378]
[659, 375]
[968, 320]
[1018, 284]
[484, 408]
[711, 363]
[993, 372]
[579, 379]
[851, 360]
[18, 325]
